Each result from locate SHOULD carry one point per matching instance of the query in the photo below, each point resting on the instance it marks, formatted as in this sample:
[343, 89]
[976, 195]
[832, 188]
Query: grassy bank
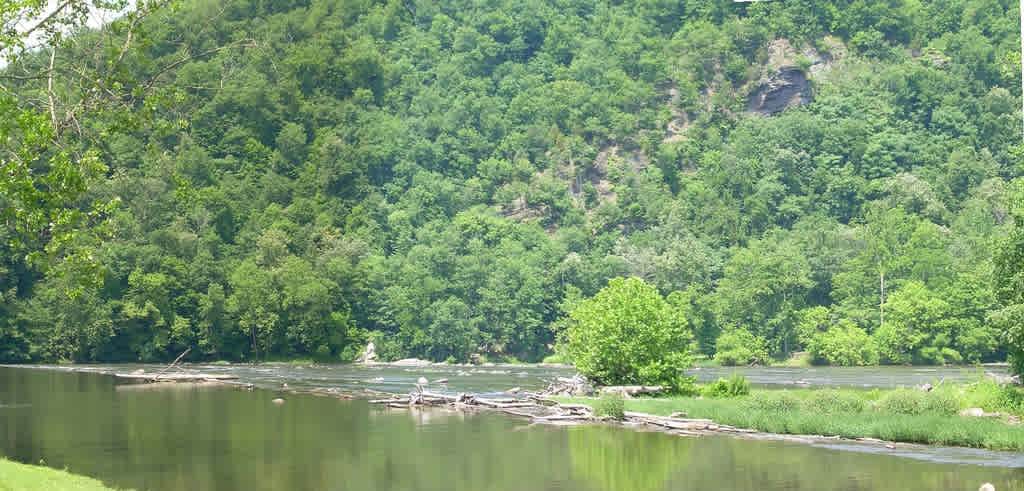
[898, 415]
[22, 477]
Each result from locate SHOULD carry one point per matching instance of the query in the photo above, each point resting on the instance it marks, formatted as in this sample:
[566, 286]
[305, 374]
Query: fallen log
[564, 417]
[388, 401]
[633, 390]
[582, 407]
[439, 396]
[177, 377]
[175, 362]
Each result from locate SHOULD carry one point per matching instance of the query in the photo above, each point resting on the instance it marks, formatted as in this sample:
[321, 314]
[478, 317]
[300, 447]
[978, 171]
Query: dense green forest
[452, 177]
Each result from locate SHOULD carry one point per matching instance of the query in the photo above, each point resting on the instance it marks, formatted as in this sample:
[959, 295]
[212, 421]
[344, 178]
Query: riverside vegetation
[273, 180]
[897, 415]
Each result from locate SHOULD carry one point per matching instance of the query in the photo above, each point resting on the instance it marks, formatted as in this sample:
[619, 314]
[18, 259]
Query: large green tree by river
[628, 334]
[448, 178]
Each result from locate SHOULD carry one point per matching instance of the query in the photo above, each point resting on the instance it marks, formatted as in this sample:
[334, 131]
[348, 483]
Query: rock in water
[422, 381]
[441, 381]
[513, 390]
[368, 355]
[987, 487]
[277, 401]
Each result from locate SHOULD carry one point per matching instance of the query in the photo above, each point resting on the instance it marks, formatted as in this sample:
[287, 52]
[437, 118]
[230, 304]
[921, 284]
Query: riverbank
[23, 477]
[898, 415]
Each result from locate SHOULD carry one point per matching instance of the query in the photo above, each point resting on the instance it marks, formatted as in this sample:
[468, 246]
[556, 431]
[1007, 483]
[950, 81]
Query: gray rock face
[785, 89]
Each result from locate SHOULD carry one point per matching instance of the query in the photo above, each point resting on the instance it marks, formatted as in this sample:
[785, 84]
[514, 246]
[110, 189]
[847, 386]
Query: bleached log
[432, 395]
[633, 390]
[581, 407]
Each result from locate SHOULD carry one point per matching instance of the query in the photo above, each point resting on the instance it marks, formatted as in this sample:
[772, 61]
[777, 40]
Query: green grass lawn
[23, 477]
[897, 415]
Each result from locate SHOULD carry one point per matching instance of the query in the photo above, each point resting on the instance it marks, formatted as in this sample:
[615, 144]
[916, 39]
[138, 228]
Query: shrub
[734, 386]
[628, 334]
[833, 401]
[936, 402]
[610, 404]
[739, 347]
[843, 345]
[903, 402]
[773, 401]
[1011, 399]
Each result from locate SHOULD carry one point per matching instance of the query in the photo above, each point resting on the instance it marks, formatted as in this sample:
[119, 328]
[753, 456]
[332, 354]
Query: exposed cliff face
[787, 88]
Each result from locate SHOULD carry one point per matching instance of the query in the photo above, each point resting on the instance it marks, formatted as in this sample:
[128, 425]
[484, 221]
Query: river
[188, 437]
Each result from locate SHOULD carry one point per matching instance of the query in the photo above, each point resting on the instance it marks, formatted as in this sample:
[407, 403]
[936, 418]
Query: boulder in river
[987, 487]
[422, 381]
[277, 401]
[369, 354]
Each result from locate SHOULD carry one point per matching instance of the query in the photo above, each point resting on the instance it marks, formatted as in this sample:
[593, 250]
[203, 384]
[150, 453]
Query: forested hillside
[450, 177]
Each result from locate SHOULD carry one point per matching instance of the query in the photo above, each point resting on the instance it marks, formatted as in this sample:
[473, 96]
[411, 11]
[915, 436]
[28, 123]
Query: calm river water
[190, 438]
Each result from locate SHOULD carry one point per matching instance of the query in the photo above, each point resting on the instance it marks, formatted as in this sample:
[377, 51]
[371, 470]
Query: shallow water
[188, 437]
[498, 378]
[867, 377]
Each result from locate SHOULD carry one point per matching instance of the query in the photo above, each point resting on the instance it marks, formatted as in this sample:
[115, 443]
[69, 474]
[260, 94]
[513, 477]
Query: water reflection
[608, 458]
[189, 438]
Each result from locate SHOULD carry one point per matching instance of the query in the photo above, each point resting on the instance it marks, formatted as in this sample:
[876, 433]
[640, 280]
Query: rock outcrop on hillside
[789, 87]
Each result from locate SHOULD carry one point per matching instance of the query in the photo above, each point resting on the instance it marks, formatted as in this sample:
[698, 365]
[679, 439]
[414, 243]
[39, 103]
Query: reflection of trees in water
[186, 438]
[615, 459]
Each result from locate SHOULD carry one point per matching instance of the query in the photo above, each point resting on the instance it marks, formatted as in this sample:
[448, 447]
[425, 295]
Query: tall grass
[897, 415]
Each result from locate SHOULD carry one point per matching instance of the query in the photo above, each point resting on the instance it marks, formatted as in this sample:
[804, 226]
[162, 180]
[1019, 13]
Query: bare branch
[46, 20]
[240, 43]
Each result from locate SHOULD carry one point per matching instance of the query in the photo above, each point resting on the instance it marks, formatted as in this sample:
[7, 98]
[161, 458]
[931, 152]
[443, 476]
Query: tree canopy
[627, 334]
[262, 180]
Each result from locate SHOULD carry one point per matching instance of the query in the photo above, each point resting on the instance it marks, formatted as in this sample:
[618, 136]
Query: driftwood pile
[533, 406]
[176, 377]
[577, 385]
[544, 410]
[683, 426]
[628, 391]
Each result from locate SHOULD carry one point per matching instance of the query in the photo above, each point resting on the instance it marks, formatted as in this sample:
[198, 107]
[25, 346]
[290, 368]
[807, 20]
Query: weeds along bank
[938, 417]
